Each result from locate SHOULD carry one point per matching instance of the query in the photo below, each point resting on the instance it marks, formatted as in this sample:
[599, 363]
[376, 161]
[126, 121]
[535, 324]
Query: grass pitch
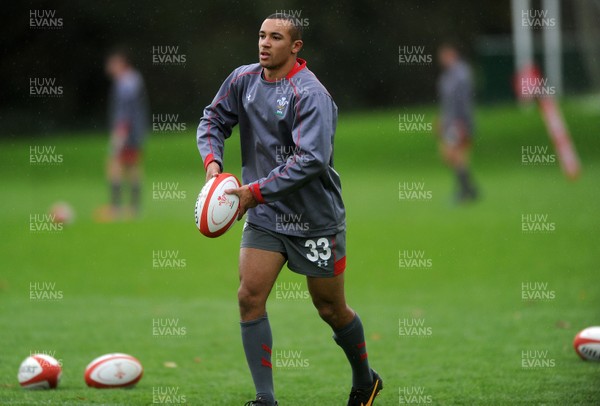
[452, 329]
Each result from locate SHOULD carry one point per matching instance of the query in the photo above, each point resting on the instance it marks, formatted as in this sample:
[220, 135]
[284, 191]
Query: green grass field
[475, 325]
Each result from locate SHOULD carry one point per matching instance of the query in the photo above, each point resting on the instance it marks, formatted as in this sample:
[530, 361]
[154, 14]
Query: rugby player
[128, 115]
[455, 90]
[287, 122]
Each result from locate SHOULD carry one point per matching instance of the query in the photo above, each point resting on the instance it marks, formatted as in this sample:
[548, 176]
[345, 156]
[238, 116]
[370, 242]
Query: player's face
[447, 57]
[114, 66]
[275, 45]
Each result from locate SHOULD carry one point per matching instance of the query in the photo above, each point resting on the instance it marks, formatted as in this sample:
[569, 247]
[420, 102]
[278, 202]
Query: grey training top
[455, 89]
[287, 130]
[129, 107]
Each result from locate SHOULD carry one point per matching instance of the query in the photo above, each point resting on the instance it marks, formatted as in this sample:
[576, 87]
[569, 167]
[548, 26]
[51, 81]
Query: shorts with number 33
[320, 257]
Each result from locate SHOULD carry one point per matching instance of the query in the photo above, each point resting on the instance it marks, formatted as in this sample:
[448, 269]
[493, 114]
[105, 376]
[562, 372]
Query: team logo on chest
[281, 103]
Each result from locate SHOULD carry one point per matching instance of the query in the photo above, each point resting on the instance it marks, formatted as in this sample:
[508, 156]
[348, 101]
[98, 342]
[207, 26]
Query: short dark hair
[293, 23]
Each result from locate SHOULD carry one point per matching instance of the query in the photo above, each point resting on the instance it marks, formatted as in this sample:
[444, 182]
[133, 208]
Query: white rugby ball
[216, 211]
[39, 371]
[113, 371]
[62, 213]
[587, 343]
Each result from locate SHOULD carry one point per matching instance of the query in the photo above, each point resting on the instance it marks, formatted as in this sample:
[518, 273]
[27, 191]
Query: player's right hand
[212, 170]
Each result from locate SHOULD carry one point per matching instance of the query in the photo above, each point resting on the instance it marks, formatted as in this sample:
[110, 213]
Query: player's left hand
[116, 145]
[247, 200]
[117, 139]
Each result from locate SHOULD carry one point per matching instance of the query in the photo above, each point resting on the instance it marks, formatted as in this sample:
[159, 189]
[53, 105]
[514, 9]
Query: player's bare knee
[248, 300]
[244, 297]
[327, 311]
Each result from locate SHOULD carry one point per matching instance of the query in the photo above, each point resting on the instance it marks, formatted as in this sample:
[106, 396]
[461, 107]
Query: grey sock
[136, 196]
[464, 181]
[115, 194]
[352, 340]
[258, 341]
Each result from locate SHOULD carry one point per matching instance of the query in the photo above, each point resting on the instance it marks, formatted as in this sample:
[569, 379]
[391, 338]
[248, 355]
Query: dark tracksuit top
[455, 89]
[129, 107]
[287, 130]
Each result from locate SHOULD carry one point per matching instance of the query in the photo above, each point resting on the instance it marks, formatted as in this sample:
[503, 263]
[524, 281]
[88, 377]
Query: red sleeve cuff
[255, 189]
[209, 158]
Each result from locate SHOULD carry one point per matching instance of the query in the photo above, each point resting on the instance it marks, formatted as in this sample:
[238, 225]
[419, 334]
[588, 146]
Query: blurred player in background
[455, 91]
[279, 103]
[128, 118]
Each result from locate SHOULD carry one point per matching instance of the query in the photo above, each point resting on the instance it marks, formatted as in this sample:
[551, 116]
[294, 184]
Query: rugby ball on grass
[113, 371]
[62, 213]
[39, 371]
[587, 343]
[216, 211]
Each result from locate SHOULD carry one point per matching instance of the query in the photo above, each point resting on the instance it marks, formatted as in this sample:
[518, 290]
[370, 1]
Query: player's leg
[130, 159]
[328, 297]
[456, 155]
[114, 171]
[446, 153]
[330, 301]
[258, 271]
[135, 183]
[461, 165]
[323, 261]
